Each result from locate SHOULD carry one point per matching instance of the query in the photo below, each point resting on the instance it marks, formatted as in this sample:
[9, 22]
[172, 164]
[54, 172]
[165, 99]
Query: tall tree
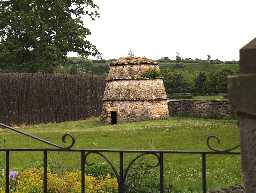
[36, 35]
[209, 58]
[200, 83]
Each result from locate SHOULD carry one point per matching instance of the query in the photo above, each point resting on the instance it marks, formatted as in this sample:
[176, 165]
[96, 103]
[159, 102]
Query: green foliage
[152, 73]
[142, 178]
[200, 83]
[98, 170]
[36, 35]
[217, 81]
[211, 97]
[80, 65]
[175, 83]
[199, 79]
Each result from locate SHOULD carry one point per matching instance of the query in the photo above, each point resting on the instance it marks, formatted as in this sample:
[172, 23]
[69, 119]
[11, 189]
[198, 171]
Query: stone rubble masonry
[135, 110]
[201, 108]
[133, 98]
[133, 61]
[135, 90]
[129, 71]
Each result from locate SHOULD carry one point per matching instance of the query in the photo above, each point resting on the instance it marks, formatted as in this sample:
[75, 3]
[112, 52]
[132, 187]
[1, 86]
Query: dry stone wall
[201, 108]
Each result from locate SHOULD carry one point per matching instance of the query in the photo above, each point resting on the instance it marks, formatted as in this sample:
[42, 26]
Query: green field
[188, 68]
[198, 67]
[183, 171]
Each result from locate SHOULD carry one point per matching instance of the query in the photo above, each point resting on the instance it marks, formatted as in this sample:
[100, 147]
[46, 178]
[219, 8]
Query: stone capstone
[248, 58]
[132, 61]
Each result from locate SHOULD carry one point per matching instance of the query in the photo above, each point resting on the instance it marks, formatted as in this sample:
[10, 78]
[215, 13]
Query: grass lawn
[219, 98]
[183, 171]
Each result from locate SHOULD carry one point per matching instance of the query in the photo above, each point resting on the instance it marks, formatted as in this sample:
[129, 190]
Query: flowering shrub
[31, 181]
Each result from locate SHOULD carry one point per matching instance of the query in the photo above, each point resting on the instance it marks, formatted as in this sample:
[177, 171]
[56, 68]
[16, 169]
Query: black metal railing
[120, 171]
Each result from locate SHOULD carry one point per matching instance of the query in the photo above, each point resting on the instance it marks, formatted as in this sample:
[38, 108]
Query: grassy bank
[182, 171]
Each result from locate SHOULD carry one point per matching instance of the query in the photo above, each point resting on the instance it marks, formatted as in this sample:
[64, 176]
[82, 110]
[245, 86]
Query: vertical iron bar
[161, 172]
[82, 172]
[121, 175]
[45, 171]
[204, 182]
[7, 168]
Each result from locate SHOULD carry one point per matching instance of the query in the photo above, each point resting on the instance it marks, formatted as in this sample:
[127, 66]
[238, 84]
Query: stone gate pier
[134, 91]
[242, 91]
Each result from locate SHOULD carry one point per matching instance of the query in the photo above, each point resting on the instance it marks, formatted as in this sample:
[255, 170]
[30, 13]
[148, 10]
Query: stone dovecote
[132, 96]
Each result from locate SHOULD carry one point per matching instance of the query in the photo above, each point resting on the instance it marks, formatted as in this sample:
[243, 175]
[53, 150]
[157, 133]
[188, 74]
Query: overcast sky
[157, 28]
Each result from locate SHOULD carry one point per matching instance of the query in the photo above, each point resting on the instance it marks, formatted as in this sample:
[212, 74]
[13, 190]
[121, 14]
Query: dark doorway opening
[113, 117]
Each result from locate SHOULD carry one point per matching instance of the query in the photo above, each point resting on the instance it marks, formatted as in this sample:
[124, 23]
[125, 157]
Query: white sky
[157, 28]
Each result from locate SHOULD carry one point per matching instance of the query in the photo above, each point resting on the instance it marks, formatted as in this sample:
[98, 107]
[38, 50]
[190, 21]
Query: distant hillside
[198, 77]
[197, 67]
[94, 65]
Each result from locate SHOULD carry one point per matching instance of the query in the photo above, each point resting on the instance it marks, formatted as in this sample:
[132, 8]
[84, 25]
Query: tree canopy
[36, 35]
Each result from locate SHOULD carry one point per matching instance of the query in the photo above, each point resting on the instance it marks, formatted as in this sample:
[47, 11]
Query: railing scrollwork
[65, 137]
[214, 139]
[138, 157]
[122, 175]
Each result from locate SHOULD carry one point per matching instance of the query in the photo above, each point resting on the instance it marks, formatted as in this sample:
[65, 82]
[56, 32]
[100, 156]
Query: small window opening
[113, 117]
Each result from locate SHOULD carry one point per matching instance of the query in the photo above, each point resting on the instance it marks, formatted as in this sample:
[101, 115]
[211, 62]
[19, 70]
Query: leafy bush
[98, 170]
[176, 83]
[82, 65]
[200, 83]
[217, 81]
[142, 179]
[152, 73]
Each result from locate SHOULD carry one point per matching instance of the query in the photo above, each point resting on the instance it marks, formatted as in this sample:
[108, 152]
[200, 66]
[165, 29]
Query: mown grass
[209, 97]
[182, 171]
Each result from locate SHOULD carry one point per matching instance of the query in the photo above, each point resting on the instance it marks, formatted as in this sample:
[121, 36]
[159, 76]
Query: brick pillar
[242, 91]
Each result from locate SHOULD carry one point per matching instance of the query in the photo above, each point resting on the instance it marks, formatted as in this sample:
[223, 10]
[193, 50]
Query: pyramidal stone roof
[250, 45]
[248, 58]
[133, 61]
